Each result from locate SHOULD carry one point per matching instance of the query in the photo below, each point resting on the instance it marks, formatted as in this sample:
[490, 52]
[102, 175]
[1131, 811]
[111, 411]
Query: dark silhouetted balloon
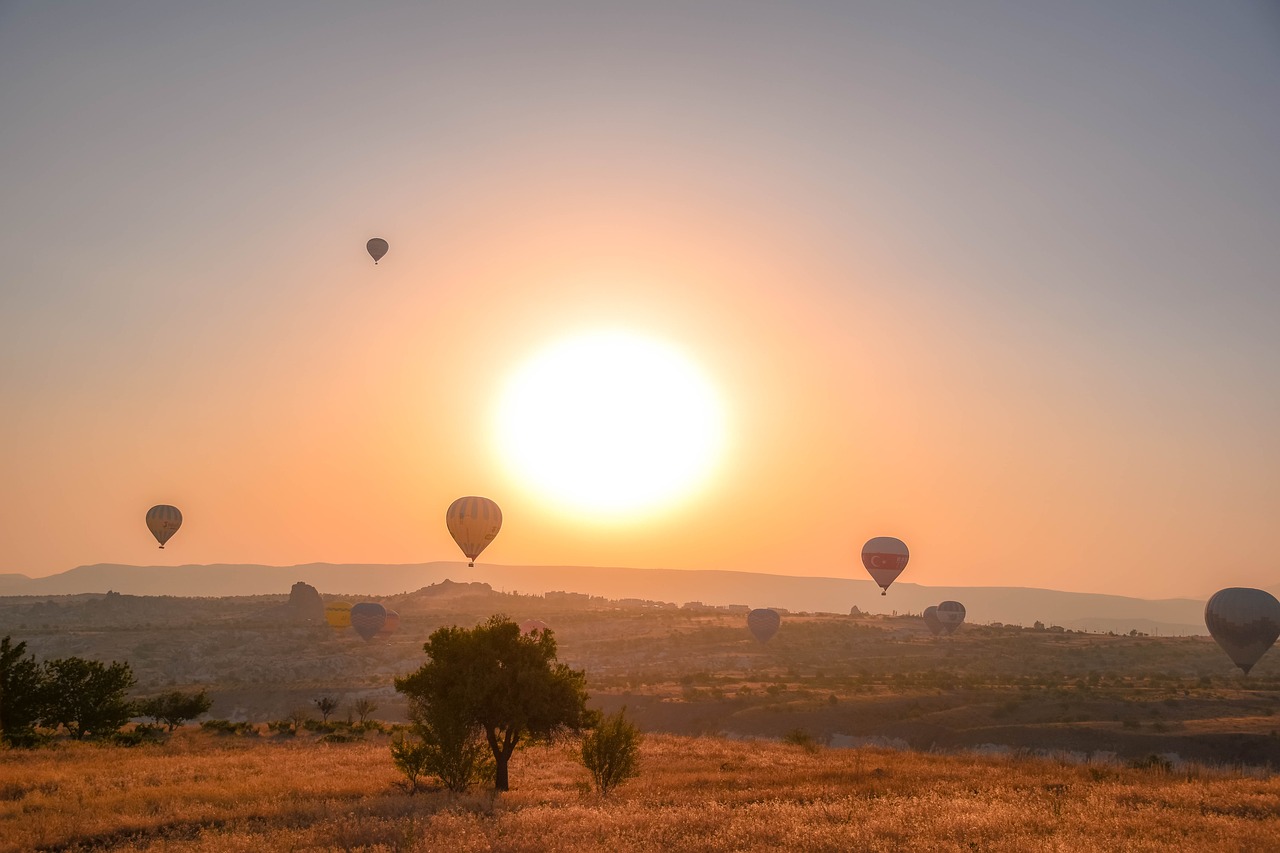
[763, 623]
[338, 615]
[368, 618]
[884, 558]
[528, 626]
[951, 615]
[931, 620]
[390, 626]
[1245, 622]
[377, 248]
[473, 523]
[163, 521]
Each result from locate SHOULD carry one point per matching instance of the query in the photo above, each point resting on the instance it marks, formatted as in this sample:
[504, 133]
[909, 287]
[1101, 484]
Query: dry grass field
[204, 792]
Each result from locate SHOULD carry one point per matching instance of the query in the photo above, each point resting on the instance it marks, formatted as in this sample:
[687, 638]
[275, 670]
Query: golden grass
[200, 792]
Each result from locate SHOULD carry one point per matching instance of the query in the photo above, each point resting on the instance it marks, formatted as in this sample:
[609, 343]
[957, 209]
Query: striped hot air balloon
[377, 247]
[367, 618]
[163, 521]
[884, 558]
[951, 615]
[763, 623]
[473, 523]
[390, 626]
[1245, 622]
[338, 615]
[931, 620]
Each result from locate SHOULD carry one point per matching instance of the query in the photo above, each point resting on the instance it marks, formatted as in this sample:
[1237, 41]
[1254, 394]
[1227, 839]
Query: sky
[1001, 279]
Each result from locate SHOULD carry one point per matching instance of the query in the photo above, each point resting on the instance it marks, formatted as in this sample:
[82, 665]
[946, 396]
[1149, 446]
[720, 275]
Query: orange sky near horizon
[905, 341]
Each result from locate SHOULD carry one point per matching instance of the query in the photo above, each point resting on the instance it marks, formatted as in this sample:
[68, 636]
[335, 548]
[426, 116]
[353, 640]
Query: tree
[447, 746]
[611, 753]
[21, 694]
[175, 707]
[86, 696]
[326, 705]
[509, 685]
[363, 708]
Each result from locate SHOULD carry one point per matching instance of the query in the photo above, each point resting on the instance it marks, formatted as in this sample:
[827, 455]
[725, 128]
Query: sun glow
[610, 424]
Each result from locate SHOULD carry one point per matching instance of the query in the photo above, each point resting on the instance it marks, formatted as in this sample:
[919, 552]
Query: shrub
[174, 708]
[802, 739]
[86, 696]
[611, 753]
[410, 758]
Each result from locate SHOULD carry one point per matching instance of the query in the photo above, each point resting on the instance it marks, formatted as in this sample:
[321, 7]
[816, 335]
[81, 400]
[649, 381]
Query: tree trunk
[500, 773]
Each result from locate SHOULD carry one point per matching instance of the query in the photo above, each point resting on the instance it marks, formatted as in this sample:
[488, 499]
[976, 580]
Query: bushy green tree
[174, 708]
[21, 694]
[611, 753]
[509, 685]
[87, 697]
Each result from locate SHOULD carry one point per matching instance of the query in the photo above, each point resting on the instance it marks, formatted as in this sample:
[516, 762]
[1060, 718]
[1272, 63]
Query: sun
[611, 424]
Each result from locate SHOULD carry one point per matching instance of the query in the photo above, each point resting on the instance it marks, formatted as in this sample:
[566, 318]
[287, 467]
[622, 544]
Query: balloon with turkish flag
[884, 558]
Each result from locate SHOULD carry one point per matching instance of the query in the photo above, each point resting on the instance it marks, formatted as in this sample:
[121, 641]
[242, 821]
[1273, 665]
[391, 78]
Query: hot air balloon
[163, 521]
[1245, 622]
[884, 558]
[338, 614]
[931, 620]
[528, 626]
[473, 522]
[368, 618]
[377, 248]
[951, 615]
[763, 624]
[390, 626]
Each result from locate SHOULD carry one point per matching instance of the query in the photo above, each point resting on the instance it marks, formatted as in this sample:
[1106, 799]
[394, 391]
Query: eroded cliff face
[305, 603]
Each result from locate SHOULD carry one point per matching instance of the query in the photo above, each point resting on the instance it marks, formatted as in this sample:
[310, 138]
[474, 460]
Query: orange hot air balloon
[884, 558]
[473, 523]
[763, 623]
[163, 521]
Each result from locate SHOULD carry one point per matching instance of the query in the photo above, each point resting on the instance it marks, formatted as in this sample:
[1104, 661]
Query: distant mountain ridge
[1014, 605]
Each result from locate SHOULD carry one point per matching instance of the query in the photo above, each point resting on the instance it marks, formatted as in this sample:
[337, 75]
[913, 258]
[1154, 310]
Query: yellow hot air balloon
[338, 615]
[473, 523]
[163, 521]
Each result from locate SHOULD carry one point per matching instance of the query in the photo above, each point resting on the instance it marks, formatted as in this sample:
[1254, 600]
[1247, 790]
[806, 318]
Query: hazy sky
[1000, 279]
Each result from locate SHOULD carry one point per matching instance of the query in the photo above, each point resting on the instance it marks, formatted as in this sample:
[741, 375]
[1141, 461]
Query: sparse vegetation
[611, 752]
[326, 705]
[204, 793]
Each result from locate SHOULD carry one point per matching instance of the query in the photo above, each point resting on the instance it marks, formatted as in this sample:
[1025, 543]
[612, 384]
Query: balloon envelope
[338, 614]
[390, 626]
[951, 615]
[377, 248]
[763, 623]
[163, 521]
[473, 523]
[528, 626]
[884, 558]
[931, 620]
[1245, 622]
[368, 618]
